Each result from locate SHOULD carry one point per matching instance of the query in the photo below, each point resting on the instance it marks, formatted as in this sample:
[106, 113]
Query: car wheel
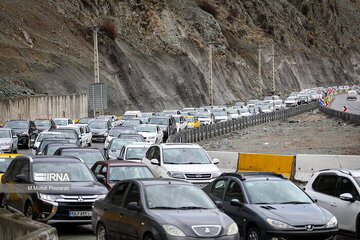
[101, 232]
[29, 210]
[2, 201]
[149, 237]
[253, 234]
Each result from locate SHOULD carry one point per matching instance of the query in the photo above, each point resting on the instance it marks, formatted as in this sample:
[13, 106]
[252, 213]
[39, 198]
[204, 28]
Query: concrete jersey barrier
[307, 164]
[228, 161]
[253, 162]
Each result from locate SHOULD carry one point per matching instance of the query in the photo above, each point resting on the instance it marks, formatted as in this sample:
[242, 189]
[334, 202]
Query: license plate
[80, 214]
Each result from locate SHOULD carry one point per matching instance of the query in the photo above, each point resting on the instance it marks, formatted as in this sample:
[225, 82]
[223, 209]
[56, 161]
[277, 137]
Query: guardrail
[354, 118]
[209, 131]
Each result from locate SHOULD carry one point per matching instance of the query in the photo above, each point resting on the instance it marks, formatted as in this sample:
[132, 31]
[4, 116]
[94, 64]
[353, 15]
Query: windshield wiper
[163, 208]
[295, 202]
[191, 207]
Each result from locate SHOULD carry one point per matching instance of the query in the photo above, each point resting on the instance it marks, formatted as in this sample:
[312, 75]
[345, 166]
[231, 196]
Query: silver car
[8, 140]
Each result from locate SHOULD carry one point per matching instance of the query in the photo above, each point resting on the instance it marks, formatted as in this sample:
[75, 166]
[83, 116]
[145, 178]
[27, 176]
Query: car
[188, 109]
[206, 118]
[112, 151]
[252, 103]
[39, 150]
[44, 124]
[239, 104]
[26, 131]
[51, 148]
[151, 133]
[169, 210]
[337, 190]
[278, 104]
[193, 121]
[5, 160]
[201, 109]
[100, 129]
[268, 206]
[234, 113]
[166, 124]
[132, 123]
[112, 118]
[254, 110]
[63, 121]
[268, 99]
[86, 134]
[129, 117]
[181, 123]
[88, 155]
[8, 140]
[222, 116]
[303, 99]
[182, 161]
[83, 138]
[352, 95]
[44, 135]
[266, 108]
[134, 151]
[291, 102]
[115, 171]
[244, 112]
[116, 131]
[73, 189]
[147, 114]
[85, 120]
[70, 134]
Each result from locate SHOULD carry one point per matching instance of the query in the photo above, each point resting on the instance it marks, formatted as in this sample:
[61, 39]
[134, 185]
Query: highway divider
[209, 131]
[228, 161]
[353, 118]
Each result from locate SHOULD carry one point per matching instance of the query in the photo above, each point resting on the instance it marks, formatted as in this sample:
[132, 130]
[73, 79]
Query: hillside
[157, 57]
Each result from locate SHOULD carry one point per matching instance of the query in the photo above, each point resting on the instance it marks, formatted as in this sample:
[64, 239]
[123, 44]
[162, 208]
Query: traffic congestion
[139, 186]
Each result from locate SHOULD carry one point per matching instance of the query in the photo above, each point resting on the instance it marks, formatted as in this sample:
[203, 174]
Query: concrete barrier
[307, 164]
[253, 162]
[228, 161]
[16, 226]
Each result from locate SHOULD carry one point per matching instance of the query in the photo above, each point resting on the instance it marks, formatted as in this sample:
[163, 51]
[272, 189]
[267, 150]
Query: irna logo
[52, 177]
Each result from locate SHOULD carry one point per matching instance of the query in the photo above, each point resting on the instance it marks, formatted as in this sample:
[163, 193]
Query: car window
[346, 186]
[156, 153]
[234, 191]
[219, 188]
[119, 194]
[97, 169]
[104, 171]
[133, 195]
[24, 169]
[326, 184]
[149, 153]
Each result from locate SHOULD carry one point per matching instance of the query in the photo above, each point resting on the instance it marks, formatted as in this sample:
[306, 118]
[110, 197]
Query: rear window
[325, 184]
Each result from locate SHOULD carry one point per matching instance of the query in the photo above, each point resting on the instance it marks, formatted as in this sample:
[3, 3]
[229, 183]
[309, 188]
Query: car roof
[353, 173]
[17, 120]
[160, 117]
[254, 175]
[79, 149]
[5, 129]
[161, 181]
[138, 144]
[179, 145]
[61, 118]
[121, 163]
[50, 132]
[51, 158]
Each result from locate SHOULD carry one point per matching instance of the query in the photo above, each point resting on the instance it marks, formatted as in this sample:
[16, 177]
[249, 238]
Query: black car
[163, 209]
[51, 148]
[100, 129]
[25, 130]
[44, 124]
[88, 155]
[85, 120]
[166, 124]
[39, 150]
[70, 200]
[267, 206]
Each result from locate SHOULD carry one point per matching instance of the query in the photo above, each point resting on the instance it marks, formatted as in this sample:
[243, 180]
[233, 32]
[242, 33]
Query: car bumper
[232, 237]
[297, 235]
[5, 148]
[98, 138]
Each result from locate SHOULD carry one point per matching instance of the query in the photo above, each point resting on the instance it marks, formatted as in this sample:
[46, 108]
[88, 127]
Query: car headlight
[278, 224]
[173, 231]
[101, 196]
[48, 197]
[176, 175]
[8, 143]
[233, 229]
[332, 223]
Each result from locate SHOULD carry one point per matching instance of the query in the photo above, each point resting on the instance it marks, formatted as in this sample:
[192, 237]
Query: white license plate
[80, 214]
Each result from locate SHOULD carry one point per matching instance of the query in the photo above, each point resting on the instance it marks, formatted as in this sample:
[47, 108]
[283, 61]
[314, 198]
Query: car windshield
[158, 121]
[98, 125]
[172, 196]
[267, 98]
[128, 117]
[5, 134]
[222, 113]
[135, 153]
[68, 134]
[51, 149]
[117, 144]
[147, 114]
[135, 137]
[4, 164]
[78, 172]
[49, 135]
[243, 110]
[45, 142]
[190, 119]
[232, 111]
[146, 128]
[252, 101]
[42, 123]
[278, 102]
[60, 122]
[203, 115]
[84, 120]
[117, 131]
[89, 157]
[17, 124]
[275, 192]
[185, 156]
[131, 123]
[119, 173]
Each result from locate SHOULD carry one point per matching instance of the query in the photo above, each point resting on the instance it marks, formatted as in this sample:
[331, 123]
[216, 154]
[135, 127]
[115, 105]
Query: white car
[222, 116]
[291, 102]
[244, 112]
[268, 99]
[266, 108]
[234, 113]
[43, 135]
[63, 121]
[206, 118]
[134, 151]
[352, 95]
[83, 140]
[151, 133]
[252, 103]
[188, 162]
[86, 134]
[337, 190]
[278, 104]
[8, 140]
[181, 123]
[116, 131]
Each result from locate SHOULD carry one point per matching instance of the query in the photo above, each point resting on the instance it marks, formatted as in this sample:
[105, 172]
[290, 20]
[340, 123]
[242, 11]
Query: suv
[71, 204]
[337, 190]
[167, 125]
[182, 161]
[25, 130]
[268, 206]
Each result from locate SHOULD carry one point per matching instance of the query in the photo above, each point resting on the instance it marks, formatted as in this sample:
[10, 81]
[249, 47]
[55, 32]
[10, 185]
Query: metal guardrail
[354, 118]
[209, 131]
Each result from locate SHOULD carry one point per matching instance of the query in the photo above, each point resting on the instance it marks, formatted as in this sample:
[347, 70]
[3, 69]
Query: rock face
[157, 57]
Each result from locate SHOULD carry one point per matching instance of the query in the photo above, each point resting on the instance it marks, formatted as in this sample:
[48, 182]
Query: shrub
[110, 29]
[208, 7]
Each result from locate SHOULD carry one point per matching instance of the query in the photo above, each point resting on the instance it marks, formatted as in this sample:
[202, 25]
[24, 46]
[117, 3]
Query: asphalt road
[353, 106]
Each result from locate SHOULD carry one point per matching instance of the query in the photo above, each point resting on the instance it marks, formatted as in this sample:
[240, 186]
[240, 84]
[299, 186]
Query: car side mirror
[134, 207]
[347, 197]
[236, 202]
[155, 162]
[20, 178]
[100, 178]
[216, 161]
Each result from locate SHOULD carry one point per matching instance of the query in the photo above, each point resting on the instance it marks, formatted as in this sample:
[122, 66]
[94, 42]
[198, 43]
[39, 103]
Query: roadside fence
[353, 118]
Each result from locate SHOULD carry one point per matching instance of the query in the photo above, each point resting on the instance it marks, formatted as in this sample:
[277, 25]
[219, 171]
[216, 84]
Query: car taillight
[53, 125]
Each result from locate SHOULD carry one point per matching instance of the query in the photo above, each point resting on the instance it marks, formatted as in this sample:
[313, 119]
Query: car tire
[149, 237]
[101, 232]
[29, 210]
[253, 234]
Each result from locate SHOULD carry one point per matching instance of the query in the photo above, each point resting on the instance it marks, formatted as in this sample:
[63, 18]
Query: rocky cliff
[154, 54]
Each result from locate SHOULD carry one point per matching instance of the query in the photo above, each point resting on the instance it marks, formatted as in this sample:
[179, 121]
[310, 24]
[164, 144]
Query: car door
[159, 134]
[88, 134]
[17, 199]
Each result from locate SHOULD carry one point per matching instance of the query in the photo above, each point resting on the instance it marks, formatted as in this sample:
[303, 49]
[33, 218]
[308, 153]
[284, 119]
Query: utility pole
[96, 55]
[273, 55]
[211, 87]
[259, 70]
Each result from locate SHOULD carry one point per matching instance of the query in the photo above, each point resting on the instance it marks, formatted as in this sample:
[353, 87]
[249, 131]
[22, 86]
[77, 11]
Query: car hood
[5, 140]
[192, 168]
[148, 134]
[97, 131]
[296, 214]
